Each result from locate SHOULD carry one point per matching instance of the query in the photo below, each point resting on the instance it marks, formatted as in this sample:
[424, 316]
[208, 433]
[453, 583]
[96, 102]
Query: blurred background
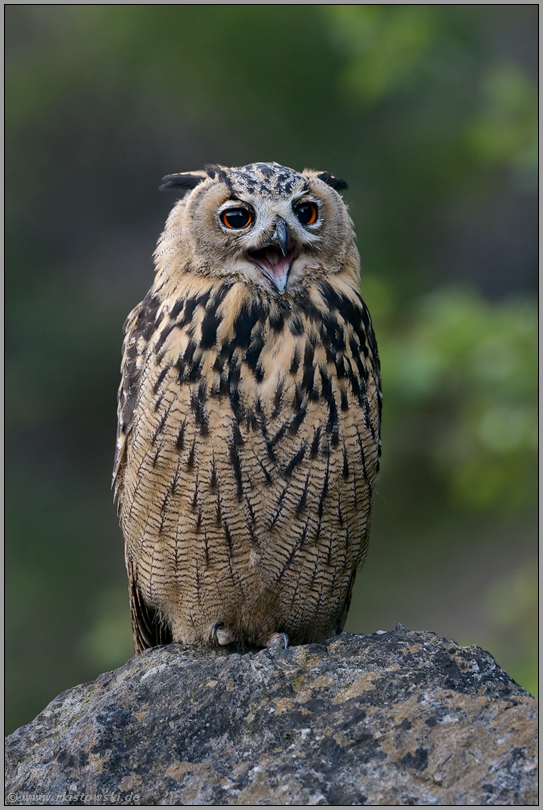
[429, 112]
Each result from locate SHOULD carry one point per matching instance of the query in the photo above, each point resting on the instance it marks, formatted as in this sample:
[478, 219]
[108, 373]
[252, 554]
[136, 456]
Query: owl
[249, 415]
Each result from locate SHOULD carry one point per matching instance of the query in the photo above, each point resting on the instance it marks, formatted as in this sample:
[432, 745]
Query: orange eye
[236, 218]
[307, 213]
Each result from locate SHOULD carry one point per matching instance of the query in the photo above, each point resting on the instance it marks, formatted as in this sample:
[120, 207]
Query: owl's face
[264, 223]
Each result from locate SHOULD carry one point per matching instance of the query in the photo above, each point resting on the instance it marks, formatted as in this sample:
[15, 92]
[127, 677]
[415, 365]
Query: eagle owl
[249, 415]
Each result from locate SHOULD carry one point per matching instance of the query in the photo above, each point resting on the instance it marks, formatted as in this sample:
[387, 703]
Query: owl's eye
[307, 213]
[236, 218]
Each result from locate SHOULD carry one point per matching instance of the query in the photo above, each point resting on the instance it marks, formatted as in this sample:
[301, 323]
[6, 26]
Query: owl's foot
[222, 633]
[277, 640]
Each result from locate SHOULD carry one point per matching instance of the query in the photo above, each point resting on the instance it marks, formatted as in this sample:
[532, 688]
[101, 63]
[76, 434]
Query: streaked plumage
[249, 415]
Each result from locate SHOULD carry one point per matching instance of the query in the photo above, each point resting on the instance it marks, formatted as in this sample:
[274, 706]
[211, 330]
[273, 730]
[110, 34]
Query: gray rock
[389, 719]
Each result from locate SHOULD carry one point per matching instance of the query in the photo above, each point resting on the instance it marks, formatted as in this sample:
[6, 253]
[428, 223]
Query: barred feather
[247, 453]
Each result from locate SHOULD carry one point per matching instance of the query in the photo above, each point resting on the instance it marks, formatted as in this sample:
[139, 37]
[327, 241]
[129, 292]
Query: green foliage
[107, 644]
[388, 46]
[505, 130]
[510, 608]
[465, 371]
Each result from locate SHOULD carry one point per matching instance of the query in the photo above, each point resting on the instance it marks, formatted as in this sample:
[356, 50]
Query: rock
[392, 718]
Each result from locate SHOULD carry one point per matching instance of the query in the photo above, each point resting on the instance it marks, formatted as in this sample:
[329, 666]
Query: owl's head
[263, 223]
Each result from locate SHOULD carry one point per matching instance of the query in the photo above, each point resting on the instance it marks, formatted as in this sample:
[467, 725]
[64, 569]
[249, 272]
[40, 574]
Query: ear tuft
[335, 182]
[213, 169]
[183, 180]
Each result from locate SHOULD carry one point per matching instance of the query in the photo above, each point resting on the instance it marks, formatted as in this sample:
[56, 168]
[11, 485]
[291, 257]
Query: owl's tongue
[273, 264]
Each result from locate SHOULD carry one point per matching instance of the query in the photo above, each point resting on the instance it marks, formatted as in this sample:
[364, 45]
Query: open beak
[275, 258]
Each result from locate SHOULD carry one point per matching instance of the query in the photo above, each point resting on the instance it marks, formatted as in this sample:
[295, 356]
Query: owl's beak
[281, 235]
[275, 258]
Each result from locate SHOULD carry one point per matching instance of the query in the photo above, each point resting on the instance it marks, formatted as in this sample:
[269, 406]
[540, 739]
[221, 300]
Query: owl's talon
[223, 636]
[277, 640]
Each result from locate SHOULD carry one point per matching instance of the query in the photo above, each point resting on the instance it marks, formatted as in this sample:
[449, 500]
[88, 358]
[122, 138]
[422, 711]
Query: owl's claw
[222, 633]
[277, 640]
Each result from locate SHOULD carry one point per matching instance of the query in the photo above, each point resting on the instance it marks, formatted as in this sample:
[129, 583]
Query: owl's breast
[254, 442]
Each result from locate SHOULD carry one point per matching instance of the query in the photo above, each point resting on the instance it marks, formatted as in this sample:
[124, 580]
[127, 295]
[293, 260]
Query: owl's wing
[147, 629]
[340, 624]
[138, 328]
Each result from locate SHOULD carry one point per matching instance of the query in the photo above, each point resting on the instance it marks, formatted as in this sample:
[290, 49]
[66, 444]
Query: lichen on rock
[397, 718]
